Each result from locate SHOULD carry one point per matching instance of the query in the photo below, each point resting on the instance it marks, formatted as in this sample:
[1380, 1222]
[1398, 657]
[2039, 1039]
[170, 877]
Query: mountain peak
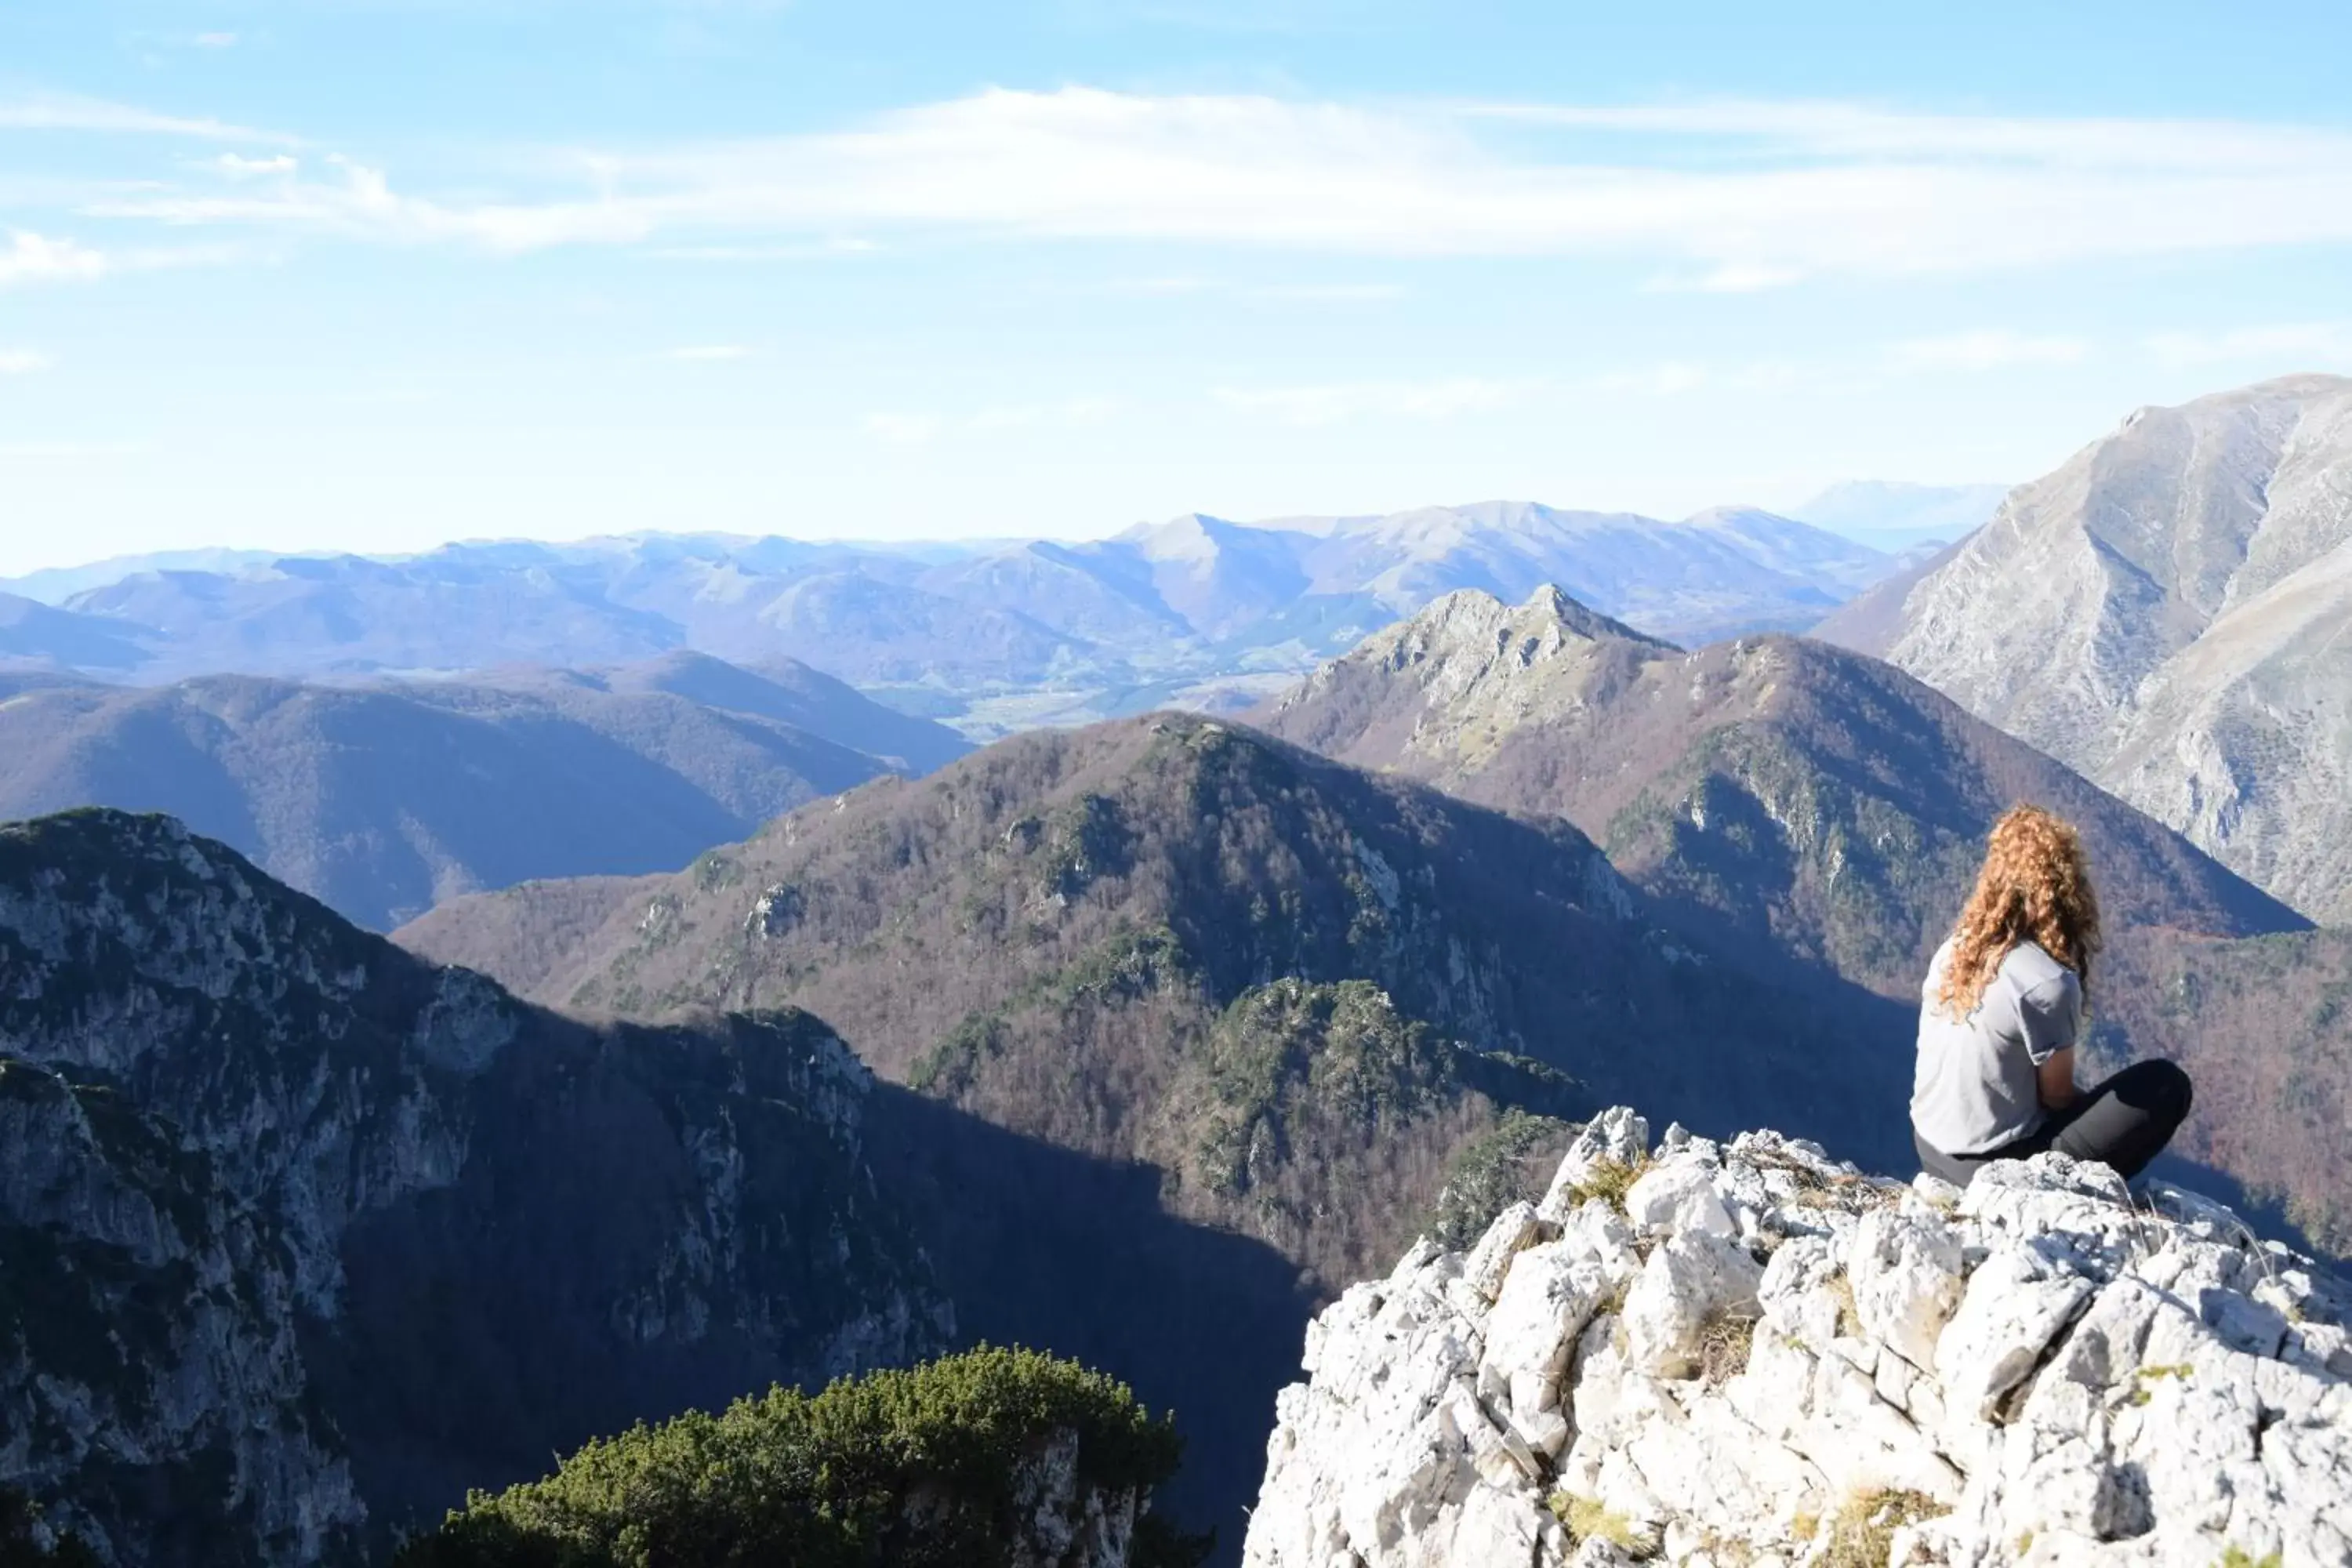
[1745, 1352]
[2164, 613]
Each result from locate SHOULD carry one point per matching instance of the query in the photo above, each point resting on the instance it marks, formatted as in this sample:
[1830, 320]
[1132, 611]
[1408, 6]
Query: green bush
[916, 1468]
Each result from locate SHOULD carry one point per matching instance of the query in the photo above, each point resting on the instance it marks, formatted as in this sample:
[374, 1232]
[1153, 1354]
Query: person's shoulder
[2030, 968]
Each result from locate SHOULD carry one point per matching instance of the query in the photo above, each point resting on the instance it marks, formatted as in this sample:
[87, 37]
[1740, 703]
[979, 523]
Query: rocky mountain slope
[300, 1237]
[384, 799]
[1746, 1353]
[2165, 612]
[1791, 797]
[1787, 801]
[997, 634]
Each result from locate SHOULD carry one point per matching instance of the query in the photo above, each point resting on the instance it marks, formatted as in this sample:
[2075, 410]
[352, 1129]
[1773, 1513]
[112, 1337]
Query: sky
[375, 274]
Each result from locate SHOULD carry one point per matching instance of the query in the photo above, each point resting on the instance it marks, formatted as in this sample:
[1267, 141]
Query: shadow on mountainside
[495, 1324]
[1045, 1247]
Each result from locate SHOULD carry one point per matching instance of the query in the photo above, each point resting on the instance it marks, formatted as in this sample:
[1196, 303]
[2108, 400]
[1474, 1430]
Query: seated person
[2003, 1010]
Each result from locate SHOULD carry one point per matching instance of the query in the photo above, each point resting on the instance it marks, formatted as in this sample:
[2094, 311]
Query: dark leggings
[2122, 1123]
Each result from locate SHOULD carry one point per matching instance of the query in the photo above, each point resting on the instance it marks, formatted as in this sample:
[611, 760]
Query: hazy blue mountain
[382, 800]
[55, 584]
[998, 634]
[34, 634]
[1898, 518]
[461, 608]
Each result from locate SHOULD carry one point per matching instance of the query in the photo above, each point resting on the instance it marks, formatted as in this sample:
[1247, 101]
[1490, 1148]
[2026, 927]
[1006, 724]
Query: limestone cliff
[299, 1236]
[1746, 1353]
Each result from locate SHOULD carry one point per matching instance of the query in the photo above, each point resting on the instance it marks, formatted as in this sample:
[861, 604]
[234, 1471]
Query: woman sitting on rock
[2003, 1010]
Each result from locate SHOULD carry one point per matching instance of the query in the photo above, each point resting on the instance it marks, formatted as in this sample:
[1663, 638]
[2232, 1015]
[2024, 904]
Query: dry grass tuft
[1610, 1181]
[1861, 1532]
[1588, 1519]
[1849, 1323]
[1724, 1340]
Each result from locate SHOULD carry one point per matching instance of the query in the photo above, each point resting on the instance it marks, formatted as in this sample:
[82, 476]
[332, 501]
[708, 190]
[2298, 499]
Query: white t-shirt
[1975, 1088]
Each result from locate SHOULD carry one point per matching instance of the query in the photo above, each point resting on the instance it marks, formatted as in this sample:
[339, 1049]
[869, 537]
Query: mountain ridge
[2165, 611]
[998, 633]
[385, 798]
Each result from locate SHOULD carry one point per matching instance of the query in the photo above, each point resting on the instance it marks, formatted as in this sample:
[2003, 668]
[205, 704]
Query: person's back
[2001, 1010]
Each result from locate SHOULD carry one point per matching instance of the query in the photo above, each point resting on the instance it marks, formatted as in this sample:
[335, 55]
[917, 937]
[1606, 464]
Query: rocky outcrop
[1749, 1354]
[299, 1236]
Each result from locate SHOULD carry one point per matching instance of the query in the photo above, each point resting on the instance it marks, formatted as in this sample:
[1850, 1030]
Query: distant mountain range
[2168, 613]
[383, 799]
[997, 636]
[1898, 518]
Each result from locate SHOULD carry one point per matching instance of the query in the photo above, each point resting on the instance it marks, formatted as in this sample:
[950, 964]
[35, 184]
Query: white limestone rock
[1692, 1278]
[1906, 1273]
[1617, 1136]
[2039, 1371]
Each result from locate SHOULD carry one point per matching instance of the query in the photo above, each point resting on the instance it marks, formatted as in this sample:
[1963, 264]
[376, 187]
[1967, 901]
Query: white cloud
[707, 353]
[30, 257]
[216, 41]
[237, 167]
[35, 259]
[22, 362]
[1340, 403]
[1722, 197]
[1988, 348]
[70, 112]
[2313, 343]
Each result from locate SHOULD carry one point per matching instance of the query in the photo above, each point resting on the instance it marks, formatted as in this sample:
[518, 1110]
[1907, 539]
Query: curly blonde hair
[2035, 887]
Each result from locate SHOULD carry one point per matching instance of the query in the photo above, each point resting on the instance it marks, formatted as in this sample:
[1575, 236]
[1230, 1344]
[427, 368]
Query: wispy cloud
[22, 362]
[709, 353]
[2313, 343]
[70, 112]
[1339, 403]
[214, 41]
[1725, 197]
[31, 257]
[237, 167]
[1992, 347]
[28, 257]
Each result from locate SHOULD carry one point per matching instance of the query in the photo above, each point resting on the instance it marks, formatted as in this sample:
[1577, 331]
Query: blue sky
[372, 274]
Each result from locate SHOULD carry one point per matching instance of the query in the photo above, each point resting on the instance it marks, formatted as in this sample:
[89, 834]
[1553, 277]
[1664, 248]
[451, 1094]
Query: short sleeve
[2051, 1016]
